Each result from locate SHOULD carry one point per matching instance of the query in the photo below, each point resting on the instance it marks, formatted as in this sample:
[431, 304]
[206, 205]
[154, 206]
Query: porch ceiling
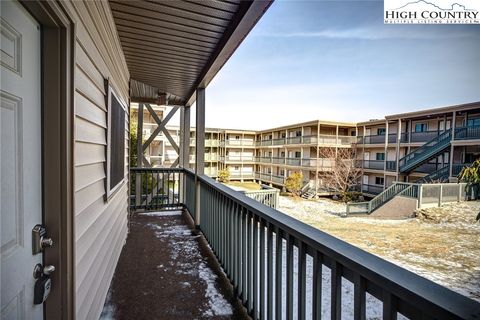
[174, 47]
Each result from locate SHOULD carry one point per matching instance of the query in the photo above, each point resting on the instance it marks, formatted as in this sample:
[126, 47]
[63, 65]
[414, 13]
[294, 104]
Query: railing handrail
[417, 153]
[406, 285]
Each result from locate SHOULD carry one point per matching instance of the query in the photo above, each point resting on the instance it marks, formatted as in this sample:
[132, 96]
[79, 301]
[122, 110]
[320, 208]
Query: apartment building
[300, 147]
[421, 146]
[154, 154]
[237, 153]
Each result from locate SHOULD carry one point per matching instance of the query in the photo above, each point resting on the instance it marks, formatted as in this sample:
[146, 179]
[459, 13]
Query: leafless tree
[344, 175]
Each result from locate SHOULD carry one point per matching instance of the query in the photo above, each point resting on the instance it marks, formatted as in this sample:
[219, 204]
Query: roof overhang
[174, 47]
[435, 111]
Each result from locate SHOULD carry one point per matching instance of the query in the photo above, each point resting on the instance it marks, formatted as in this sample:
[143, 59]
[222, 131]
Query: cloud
[379, 33]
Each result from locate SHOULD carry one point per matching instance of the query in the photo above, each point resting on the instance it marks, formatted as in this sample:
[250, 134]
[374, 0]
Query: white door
[366, 156]
[21, 203]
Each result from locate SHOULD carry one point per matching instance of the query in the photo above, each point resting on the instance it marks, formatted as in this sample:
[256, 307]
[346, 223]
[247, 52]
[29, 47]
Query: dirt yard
[441, 244]
[244, 186]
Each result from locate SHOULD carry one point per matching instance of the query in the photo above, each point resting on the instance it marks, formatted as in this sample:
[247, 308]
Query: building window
[379, 181]
[282, 173]
[380, 156]
[298, 133]
[115, 141]
[284, 135]
[236, 168]
[381, 131]
[237, 137]
[298, 154]
[420, 127]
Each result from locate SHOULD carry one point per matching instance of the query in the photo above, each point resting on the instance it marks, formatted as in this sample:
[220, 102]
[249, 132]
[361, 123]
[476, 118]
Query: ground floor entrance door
[21, 167]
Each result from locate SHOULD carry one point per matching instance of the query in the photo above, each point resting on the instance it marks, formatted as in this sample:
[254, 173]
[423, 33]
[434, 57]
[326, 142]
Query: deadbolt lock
[39, 241]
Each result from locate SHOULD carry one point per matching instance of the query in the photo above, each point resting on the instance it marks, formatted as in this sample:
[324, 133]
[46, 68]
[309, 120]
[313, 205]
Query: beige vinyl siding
[100, 226]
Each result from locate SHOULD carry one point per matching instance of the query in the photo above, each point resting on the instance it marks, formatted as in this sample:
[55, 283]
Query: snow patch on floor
[183, 244]
[162, 213]
[108, 312]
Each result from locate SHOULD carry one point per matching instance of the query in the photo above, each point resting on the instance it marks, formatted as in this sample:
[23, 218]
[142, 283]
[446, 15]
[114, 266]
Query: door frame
[57, 87]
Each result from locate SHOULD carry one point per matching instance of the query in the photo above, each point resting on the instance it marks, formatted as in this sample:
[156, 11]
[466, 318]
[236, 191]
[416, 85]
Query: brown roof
[175, 47]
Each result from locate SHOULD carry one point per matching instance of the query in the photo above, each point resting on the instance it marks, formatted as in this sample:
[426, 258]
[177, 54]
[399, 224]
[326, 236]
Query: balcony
[293, 162]
[467, 133]
[279, 265]
[323, 139]
[238, 158]
[373, 164]
[235, 175]
[391, 166]
[372, 188]
[371, 139]
[424, 136]
[212, 143]
[238, 143]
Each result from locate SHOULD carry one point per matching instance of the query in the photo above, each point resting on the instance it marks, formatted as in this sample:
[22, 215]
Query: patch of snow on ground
[373, 306]
[162, 213]
[108, 312]
[183, 244]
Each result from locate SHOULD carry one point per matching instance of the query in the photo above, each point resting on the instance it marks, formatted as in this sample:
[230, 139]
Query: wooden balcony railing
[277, 264]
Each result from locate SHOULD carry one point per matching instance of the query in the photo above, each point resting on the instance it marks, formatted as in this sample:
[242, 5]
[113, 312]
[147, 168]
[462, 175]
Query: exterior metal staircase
[437, 175]
[426, 152]
[442, 174]
[396, 189]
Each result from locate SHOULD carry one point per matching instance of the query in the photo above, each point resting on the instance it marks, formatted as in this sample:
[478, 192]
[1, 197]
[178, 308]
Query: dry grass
[244, 185]
[442, 244]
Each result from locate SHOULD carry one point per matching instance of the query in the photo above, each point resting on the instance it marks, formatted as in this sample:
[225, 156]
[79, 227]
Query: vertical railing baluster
[262, 269]
[359, 299]
[302, 270]
[236, 244]
[389, 306]
[290, 242]
[250, 260]
[336, 291]
[244, 255]
[228, 236]
[278, 273]
[317, 286]
[255, 266]
[269, 271]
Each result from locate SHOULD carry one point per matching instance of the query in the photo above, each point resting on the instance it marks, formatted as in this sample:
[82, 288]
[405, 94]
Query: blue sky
[336, 60]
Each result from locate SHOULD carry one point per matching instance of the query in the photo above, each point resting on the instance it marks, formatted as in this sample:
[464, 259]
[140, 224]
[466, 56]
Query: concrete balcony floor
[165, 271]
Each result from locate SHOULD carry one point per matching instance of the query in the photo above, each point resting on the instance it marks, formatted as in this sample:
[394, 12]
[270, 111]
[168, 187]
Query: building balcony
[269, 258]
[380, 139]
[238, 158]
[373, 164]
[372, 188]
[326, 140]
[212, 143]
[467, 133]
[238, 143]
[235, 175]
[391, 166]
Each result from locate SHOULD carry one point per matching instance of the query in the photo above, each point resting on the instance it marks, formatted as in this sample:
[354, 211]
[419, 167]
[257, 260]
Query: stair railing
[382, 198]
[425, 151]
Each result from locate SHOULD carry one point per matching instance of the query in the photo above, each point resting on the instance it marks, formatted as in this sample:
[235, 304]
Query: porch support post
[138, 182]
[397, 148]
[199, 149]
[452, 148]
[184, 152]
[385, 157]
